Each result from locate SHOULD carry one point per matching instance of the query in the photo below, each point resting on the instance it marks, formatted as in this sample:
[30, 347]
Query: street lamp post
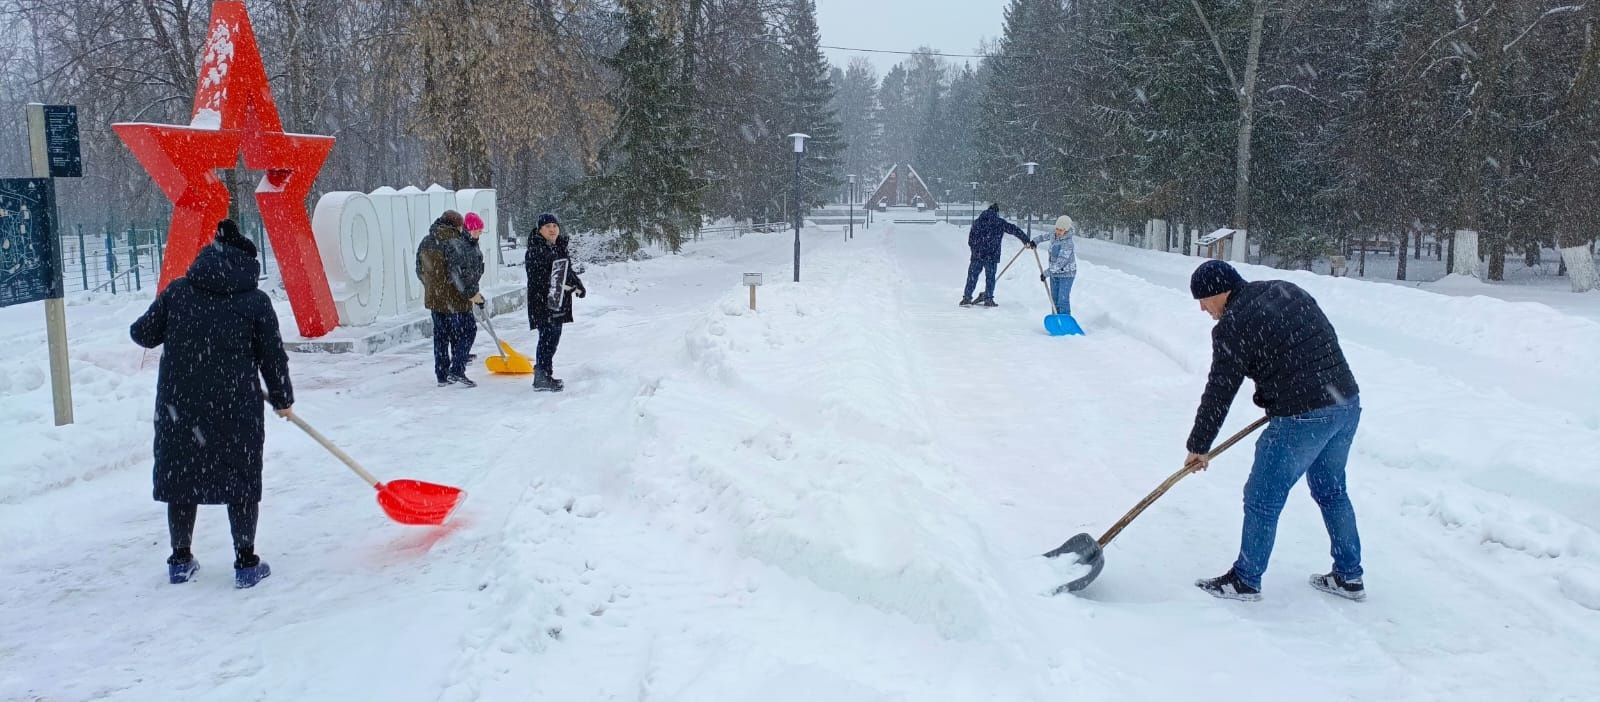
[974, 200]
[852, 206]
[799, 152]
[1030, 165]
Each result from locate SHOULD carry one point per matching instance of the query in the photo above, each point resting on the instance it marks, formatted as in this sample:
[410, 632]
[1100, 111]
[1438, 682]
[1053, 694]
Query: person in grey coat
[1063, 263]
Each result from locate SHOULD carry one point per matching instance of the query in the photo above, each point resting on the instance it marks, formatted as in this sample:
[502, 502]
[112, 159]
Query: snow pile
[823, 470]
[112, 405]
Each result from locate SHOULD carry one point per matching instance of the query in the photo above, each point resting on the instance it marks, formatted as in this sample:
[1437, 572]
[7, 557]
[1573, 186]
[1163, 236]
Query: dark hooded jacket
[220, 340]
[450, 266]
[988, 231]
[540, 261]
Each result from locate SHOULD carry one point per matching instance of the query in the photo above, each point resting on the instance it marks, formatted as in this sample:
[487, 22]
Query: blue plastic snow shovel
[1089, 552]
[1056, 324]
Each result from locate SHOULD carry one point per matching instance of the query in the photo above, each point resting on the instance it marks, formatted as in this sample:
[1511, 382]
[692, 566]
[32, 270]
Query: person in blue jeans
[1063, 263]
[984, 239]
[1274, 333]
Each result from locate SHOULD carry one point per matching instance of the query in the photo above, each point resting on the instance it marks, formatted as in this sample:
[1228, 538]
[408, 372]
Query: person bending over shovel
[984, 239]
[1274, 333]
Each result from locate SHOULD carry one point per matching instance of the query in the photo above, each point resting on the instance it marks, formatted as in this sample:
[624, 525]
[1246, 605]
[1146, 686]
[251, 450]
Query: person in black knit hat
[551, 284]
[1274, 333]
[221, 342]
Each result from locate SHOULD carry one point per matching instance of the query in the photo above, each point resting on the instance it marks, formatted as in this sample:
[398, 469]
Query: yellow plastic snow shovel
[509, 362]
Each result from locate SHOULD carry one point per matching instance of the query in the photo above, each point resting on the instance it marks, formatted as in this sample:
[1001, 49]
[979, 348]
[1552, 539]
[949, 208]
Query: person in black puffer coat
[551, 285]
[221, 341]
[1274, 333]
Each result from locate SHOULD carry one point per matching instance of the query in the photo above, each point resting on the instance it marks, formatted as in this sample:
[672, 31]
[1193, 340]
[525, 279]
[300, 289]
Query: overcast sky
[952, 26]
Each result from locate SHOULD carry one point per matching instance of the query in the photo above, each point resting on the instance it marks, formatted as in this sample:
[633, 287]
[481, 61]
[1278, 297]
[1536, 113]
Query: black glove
[1041, 278]
[1032, 245]
[581, 292]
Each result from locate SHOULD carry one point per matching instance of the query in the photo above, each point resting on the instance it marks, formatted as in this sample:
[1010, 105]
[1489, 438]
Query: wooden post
[752, 281]
[55, 308]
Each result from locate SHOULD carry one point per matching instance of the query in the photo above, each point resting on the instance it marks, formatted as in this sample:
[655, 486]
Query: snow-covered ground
[837, 498]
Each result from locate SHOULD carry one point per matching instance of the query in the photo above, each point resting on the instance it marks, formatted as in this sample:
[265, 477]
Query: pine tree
[856, 104]
[807, 105]
[645, 188]
[895, 114]
[1018, 108]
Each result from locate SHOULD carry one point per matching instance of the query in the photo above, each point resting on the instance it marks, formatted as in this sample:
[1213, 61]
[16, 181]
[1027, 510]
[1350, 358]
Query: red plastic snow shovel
[1089, 551]
[406, 501]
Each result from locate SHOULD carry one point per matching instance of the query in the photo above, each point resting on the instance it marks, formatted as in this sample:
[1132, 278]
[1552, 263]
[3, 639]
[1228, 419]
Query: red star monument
[234, 114]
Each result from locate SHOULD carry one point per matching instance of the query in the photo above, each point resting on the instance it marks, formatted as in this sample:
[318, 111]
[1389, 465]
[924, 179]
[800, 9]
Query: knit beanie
[228, 233]
[1213, 278]
[1064, 222]
[547, 218]
[474, 223]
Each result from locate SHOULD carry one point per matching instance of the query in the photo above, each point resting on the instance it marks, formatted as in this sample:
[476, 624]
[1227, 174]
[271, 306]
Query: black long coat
[221, 340]
[538, 262]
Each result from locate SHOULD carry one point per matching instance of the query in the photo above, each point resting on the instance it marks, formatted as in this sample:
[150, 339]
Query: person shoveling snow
[219, 333]
[1274, 333]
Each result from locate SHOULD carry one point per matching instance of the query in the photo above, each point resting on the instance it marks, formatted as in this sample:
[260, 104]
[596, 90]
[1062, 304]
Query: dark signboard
[28, 259]
[61, 141]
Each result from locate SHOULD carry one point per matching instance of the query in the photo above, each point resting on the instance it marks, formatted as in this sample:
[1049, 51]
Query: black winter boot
[542, 382]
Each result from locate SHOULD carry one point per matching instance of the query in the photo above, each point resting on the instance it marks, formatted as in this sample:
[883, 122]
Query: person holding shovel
[1274, 333]
[221, 341]
[450, 268]
[983, 239]
[551, 285]
[473, 223]
[1063, 263]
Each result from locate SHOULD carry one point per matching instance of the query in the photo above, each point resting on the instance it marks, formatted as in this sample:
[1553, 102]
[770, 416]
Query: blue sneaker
[249, 577]
[179, 573]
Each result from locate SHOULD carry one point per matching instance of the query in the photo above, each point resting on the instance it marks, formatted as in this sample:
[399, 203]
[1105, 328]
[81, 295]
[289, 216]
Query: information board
[61, 141]
[28, 259]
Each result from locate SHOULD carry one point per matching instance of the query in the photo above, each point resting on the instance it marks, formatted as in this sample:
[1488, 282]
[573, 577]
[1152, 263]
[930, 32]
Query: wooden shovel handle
[1008, 263]
[335, 450]
[1052, 298]
[1173, 480]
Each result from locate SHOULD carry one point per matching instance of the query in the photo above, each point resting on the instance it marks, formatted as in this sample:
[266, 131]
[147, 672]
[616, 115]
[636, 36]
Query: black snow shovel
[1090, 551]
